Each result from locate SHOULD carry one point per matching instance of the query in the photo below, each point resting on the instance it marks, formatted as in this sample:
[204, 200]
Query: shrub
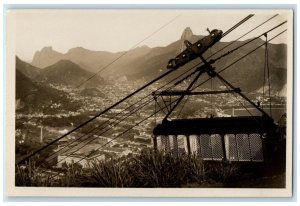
[109, 174]
[32, 176]
[164, 169]
[147, 169]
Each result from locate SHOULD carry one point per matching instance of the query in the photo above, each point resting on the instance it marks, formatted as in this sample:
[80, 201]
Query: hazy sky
[118, 30]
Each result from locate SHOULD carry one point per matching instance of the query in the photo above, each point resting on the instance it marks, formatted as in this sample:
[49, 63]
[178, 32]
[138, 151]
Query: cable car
[194, 50]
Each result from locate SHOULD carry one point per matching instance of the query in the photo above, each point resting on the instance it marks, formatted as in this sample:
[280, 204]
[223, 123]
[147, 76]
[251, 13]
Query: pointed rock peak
[187, 34]
[48, 50]
[45, 57]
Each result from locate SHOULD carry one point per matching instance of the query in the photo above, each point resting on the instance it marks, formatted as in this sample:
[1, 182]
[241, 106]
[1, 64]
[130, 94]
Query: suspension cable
[211, 88]
[241, 103]
[248, 42]
[242, 36]
[155, 110]
[156, 101]
[264, 81]
[268, 72]
[237, 25]
[182, 106]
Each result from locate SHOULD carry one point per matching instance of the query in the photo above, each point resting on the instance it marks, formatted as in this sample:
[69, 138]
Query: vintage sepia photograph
[149, 102]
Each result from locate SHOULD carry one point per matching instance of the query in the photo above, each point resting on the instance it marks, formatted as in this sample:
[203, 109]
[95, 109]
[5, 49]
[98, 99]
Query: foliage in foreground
[148, 169]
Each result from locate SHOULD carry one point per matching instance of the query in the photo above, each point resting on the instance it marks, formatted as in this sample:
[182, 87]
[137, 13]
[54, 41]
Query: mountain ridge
[147, 63]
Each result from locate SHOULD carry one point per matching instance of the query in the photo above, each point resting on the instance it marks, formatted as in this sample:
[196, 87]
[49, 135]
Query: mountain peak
[46, 56]
[187, 34]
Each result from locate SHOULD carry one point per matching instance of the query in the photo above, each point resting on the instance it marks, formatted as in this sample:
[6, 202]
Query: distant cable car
[195, 50]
